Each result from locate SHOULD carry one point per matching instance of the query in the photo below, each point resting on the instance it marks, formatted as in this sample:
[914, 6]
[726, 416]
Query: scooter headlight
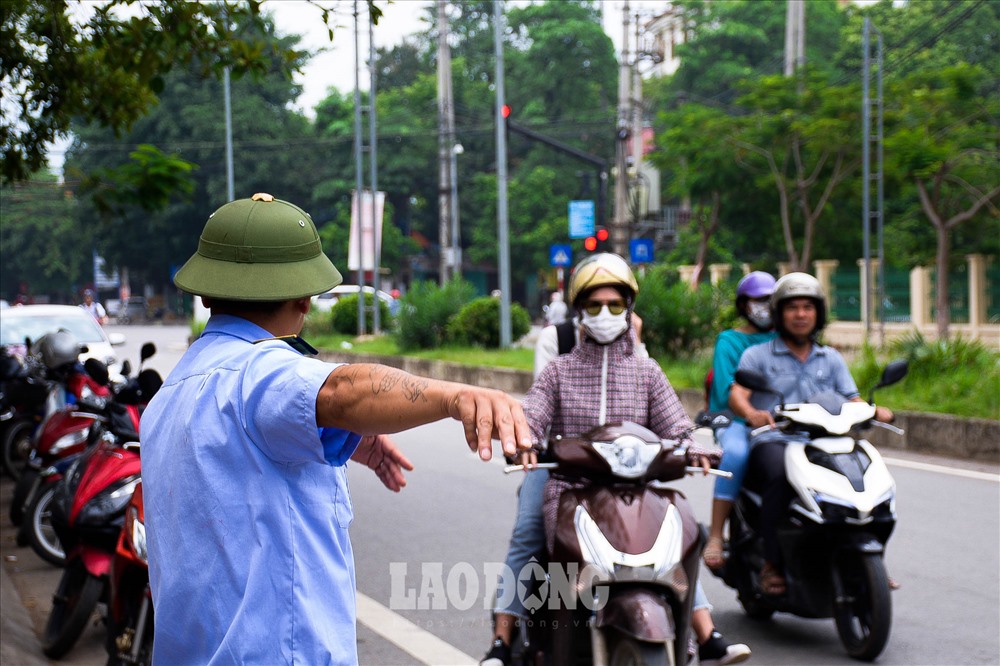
[628, 456]
[136, 530]
[109, 502]
[70, 439]
[612, 564]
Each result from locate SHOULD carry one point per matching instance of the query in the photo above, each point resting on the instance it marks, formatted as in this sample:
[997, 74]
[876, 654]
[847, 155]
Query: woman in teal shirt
[753, 294]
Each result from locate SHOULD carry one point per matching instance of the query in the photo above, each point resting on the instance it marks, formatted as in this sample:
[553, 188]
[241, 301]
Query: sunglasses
[593, 308]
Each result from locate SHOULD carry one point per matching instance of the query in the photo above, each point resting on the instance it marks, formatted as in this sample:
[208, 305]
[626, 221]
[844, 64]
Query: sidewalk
[18, 643]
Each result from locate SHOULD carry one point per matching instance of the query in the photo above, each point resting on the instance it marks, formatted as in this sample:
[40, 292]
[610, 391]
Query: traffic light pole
[602, 165]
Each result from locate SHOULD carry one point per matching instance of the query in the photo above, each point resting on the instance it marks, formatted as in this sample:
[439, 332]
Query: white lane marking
[405, 635]
[941, 469]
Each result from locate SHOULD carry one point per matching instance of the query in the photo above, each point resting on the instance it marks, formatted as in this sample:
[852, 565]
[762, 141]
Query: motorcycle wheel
[42, 536]
[630, 652]
[862, 607]
[16, 447]
[21, 490]
[72, 605]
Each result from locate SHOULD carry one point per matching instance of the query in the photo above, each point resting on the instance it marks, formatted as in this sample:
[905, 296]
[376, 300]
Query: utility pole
[637, 137]
[227, 98]
[619, 225]
[358, 169]
[795, 36]
[373, 170]
[871, 295]
[503, 239]
[446, 146]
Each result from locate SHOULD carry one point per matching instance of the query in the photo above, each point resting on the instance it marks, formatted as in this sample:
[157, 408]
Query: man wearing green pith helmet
[245, 447]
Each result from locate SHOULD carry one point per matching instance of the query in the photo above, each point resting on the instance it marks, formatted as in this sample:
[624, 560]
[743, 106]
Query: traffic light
[598, 242]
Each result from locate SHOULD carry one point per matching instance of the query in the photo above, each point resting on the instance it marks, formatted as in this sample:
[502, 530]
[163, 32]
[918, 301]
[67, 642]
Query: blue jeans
[527, 541]
[735, 443]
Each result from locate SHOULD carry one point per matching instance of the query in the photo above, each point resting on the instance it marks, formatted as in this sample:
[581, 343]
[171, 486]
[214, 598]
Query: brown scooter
[619, 585]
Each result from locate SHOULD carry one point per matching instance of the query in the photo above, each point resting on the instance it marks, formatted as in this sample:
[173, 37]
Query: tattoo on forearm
[351, 375]
[414, 388]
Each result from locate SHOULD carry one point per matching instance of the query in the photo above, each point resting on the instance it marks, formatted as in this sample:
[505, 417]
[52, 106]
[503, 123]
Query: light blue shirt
[247, 507]
[823, 370]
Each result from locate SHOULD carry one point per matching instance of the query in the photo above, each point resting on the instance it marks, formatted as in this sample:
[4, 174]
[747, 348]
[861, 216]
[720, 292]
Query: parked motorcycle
[88, 512]
[835, 531]
[52, 379]
[626, 556]
[64, 436]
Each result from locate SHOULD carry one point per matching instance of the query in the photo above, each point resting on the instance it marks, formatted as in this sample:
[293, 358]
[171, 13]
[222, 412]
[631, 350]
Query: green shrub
[955, 376]
[478, 323]
[317, 323]
[344, 314]
[425, 311]
[677, 320]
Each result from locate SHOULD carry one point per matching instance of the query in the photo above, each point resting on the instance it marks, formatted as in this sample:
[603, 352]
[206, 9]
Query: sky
[335, 67]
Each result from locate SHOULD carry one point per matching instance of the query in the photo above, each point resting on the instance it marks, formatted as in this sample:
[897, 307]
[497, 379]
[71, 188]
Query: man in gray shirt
[798, 367]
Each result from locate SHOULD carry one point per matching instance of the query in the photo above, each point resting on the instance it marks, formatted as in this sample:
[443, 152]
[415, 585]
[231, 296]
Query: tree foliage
[42, 244]
[110, 67]
[943, 145]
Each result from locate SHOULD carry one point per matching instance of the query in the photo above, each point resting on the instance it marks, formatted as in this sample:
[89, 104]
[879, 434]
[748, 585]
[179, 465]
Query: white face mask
[604, 327]
[759, 315]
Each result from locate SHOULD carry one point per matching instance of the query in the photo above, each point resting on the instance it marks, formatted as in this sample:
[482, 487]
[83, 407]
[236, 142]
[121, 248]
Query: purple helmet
[755, 285]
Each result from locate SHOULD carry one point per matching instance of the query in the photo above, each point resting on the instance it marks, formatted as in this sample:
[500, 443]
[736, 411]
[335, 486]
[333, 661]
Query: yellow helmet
[602, 270]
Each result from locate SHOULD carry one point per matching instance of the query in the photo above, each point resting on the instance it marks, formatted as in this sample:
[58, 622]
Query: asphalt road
[455, 515]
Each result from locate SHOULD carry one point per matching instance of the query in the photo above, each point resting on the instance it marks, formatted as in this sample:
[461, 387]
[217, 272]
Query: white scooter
[835, 530]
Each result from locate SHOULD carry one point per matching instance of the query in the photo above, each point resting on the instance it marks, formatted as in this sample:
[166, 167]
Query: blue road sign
[641, 250]
[581, 219]
[560, 255]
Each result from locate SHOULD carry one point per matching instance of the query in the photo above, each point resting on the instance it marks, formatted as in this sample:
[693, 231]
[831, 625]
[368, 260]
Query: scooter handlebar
[691, 470]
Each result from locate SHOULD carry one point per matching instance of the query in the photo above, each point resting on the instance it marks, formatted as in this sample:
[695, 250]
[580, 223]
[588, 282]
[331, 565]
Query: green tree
[271, 149]
[730, 42]
[43, 244]
[109, 68]
[800, 139]
[944, 142]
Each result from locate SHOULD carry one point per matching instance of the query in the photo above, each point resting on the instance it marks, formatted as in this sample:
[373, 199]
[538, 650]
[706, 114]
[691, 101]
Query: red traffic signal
[602, 234]
[505, 111]
[590, 244]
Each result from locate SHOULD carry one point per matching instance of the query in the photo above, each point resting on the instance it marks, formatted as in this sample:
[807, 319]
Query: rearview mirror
[116, 339]
[147, 351]
[752, 380]
[97, 371]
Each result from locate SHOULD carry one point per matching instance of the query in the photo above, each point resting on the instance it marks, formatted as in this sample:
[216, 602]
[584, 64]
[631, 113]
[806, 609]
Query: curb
[936, 434]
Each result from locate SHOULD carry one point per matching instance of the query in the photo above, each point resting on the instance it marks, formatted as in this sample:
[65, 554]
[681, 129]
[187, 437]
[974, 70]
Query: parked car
[34, 321]
[324, 302]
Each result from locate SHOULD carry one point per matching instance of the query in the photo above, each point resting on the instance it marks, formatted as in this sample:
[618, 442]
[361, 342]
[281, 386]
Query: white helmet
[798, 285]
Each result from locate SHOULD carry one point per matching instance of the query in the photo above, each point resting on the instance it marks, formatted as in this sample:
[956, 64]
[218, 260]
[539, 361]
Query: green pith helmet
[258, 249]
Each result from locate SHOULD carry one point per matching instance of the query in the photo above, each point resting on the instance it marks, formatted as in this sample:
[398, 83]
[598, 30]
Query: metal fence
[845, 301]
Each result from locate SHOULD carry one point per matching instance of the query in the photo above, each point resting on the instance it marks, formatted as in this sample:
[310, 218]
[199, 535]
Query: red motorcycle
[52, 379]
[62, 436]
[130, 603]
[88, 512]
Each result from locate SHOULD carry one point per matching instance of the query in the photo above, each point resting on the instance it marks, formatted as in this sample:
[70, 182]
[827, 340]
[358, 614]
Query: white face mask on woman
[759, 315]
[604, 327]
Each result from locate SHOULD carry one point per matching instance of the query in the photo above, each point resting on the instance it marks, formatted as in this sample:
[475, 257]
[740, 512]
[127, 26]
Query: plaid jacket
[575, 389]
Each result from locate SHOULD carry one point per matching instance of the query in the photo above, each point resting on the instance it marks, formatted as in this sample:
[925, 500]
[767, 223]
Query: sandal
[772, 583]
[713, 554]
